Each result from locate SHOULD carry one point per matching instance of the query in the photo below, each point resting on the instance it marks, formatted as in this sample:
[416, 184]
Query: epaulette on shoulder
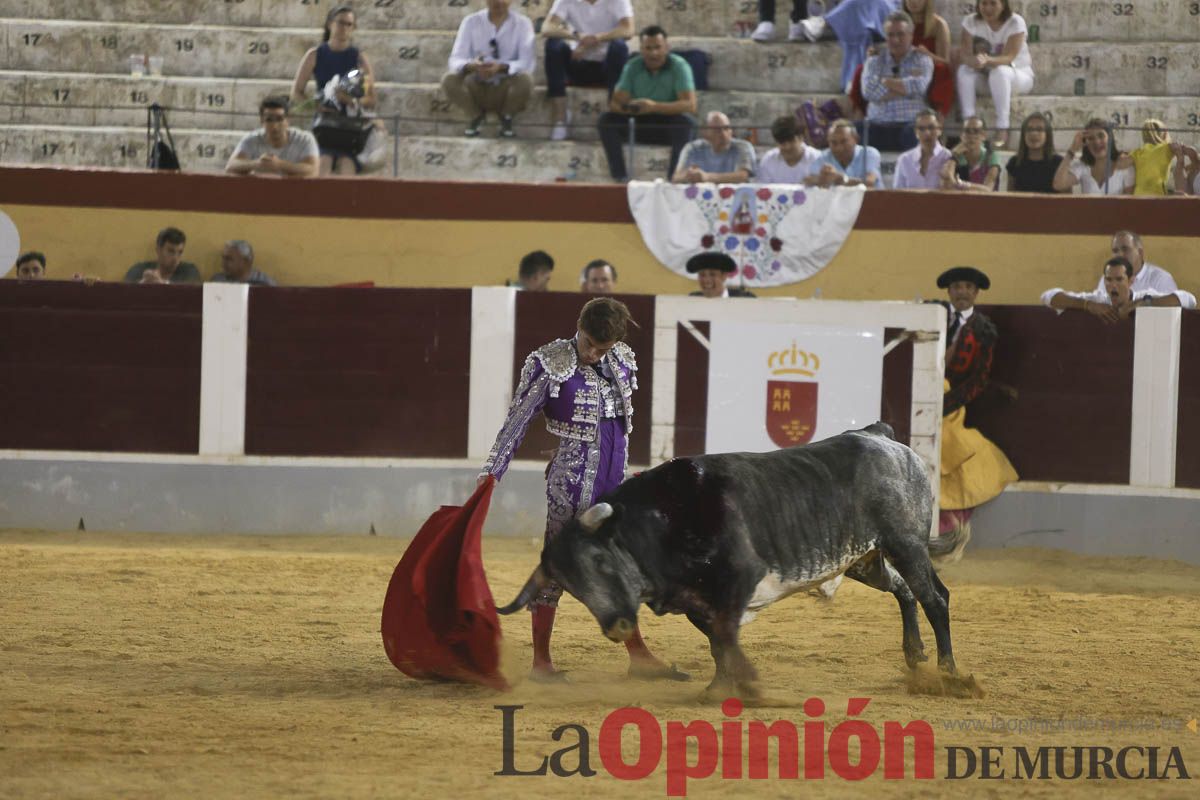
[624, 355]
[557, 358]
[986, 329]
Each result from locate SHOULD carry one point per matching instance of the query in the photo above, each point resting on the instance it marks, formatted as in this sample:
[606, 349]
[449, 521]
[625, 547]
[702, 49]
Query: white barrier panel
[223, 369]
[1155, 397]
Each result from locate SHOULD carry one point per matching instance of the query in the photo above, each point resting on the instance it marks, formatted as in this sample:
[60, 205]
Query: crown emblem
[793, 361]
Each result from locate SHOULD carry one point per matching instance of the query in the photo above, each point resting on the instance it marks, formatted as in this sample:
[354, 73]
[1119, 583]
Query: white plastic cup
[156, 65]
[137, 65]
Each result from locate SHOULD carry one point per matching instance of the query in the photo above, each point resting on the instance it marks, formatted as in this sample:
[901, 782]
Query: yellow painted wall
[319, 251]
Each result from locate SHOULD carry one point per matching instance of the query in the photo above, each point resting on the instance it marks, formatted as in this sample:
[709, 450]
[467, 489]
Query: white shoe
[765, 32]
[559, 132]
[813, 27]
[795, 31]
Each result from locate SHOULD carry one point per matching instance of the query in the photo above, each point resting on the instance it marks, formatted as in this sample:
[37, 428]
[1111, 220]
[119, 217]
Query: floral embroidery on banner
[742, 224]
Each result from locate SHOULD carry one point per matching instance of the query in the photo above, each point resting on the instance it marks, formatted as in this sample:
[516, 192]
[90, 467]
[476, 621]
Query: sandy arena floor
[240, 666]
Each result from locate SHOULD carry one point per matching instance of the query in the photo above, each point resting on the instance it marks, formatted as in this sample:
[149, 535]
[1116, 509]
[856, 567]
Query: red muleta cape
[439, 619]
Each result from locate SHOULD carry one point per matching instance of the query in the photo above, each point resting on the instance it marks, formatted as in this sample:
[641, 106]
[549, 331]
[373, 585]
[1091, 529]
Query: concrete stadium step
[1064, 20]
[420, 57]
[223, 104]
[444, 153]
[432, 157]
[119, 100]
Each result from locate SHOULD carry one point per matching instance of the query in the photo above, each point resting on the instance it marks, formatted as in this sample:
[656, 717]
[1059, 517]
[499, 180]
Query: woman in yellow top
[1152, 161]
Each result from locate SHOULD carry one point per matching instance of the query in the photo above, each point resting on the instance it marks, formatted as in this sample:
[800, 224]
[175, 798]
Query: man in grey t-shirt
[275, 149]
[717, 157]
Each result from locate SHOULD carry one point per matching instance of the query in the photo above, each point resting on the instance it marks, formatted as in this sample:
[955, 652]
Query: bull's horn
[594, 516]
[528, 592]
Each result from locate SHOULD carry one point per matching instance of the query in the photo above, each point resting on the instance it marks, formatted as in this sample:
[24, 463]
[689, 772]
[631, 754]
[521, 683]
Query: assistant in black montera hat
[973, 469]
[970, 337]
[713, 270]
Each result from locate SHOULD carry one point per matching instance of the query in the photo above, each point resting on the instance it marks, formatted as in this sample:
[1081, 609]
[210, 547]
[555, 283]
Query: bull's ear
[594, 517]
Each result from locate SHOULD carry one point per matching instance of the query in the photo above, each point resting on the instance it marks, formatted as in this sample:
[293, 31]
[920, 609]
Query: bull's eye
[601, 564]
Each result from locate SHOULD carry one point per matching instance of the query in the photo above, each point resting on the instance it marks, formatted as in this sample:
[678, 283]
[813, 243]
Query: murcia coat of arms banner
[777, 234]
[780, 385]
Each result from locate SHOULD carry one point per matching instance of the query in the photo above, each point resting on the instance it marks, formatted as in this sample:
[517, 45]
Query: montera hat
[971, 274]
[711, 261]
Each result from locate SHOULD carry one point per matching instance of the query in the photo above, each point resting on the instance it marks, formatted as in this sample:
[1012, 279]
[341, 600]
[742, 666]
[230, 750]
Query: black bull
[718, 537]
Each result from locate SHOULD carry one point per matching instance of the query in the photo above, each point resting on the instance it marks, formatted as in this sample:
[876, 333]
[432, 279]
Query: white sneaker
[813, 28]
[765, 32]
[795, 31]
[559, 132]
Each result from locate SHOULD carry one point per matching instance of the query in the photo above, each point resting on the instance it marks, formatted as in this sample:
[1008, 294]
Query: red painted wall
[105, 367]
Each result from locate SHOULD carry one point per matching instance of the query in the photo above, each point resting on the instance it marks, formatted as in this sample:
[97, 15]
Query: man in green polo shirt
[656, 90]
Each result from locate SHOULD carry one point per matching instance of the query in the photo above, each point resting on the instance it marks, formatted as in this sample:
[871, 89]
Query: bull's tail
[948, 548]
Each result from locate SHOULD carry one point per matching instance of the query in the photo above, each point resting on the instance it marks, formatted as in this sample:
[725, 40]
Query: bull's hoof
[749, 692]
[549, 676]
[657, 672]
[915, 658]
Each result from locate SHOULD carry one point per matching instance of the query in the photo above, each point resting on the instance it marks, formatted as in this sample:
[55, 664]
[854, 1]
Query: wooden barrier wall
[385, 372]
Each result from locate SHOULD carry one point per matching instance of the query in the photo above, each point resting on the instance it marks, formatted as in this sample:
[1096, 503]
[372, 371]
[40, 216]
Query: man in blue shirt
[656, 89]
[894, 83]
[716, 157]
[845, 162]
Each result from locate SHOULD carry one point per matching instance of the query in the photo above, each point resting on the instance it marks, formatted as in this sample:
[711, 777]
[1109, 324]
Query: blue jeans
[560, 67]
[673, 129]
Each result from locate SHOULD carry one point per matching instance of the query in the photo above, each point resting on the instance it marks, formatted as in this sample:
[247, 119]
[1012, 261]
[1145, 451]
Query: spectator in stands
[275, 149]
[765, 31]
[857, 24]
[712, 271]
[1098, 171]
[921, 167]
[334, 58]
[168, 265]
[1146, 276]
[1116, 298]
[994, 52]
[491, 66]
[237, 265]
[792, 160]
[533, 274]
[894, 85]
[1032, 168]
[585, 43]
[716, 157]
[931, 36]
[30, 266]
[1152, 161]
[657, 91]
[976, 165]
[598, 277]
[1187, 169]
[845, 162]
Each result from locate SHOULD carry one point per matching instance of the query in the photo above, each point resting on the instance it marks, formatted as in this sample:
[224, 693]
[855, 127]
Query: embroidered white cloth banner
[778, 234]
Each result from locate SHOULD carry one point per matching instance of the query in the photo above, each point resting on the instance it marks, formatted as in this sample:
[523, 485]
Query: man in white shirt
[585, 44]
[491, 66]
[792, 160]
[1146, 276]
[921, 167]
[1116, 298]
